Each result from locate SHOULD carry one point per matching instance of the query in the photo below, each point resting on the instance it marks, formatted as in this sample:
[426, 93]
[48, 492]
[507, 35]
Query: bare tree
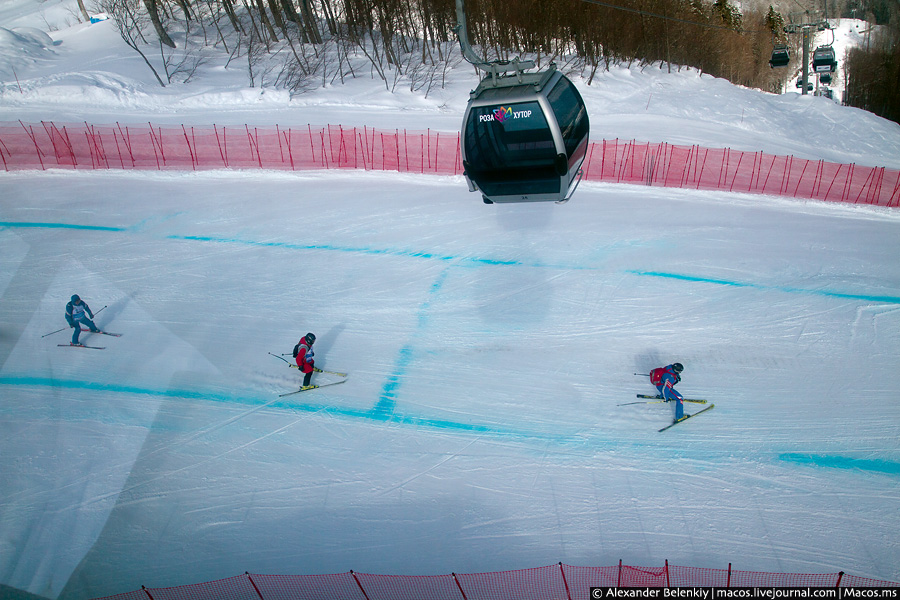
[130, 22]
[83, 10]
[153, 13]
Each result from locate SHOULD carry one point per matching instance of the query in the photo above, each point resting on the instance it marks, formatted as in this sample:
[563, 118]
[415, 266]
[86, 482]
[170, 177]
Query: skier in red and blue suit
[305, 357]
[665, 379]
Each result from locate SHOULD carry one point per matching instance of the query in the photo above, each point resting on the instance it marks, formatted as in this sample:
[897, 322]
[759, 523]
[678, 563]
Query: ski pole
[57, 331]
[64, 328]
[642, 374]
[279, 358]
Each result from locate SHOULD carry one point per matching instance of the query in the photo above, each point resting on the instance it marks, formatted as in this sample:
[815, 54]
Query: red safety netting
[306, 587]
[85, 146]
[524, 584]
[555, 582]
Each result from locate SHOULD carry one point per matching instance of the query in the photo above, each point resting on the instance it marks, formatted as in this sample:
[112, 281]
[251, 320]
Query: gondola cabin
[524, 137]
[825, 78]
[824, 60]
[781, 56]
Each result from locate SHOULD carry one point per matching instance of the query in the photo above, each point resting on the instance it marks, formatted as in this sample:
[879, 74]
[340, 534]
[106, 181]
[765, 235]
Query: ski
[694, 400]
[307, 388]
[686, 417]
[103, 332]
[318, 370]
[338, 373]
[81, 346]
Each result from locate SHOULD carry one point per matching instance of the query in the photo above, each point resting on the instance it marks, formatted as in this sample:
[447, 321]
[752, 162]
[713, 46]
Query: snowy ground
[488, 349]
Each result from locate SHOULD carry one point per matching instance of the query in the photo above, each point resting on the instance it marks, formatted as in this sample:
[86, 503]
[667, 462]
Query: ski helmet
[678, 367]
[75, 298]
[310, 338]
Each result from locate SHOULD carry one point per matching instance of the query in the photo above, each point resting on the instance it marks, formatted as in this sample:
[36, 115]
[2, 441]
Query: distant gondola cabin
[781, 56]
[824, 60]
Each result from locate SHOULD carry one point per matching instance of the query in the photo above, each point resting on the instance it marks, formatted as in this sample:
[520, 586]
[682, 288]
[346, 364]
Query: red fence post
[619, 582]
[190, 150]
[287, 141]
[3, 151]
[247, 573]
[840, 576]
[799, 181]
[253, 141]
[459, 587]
[54, 134]
[312, 147]
[30, 134]
[355, 578]
[728, 581]
[848, 183]
[565, 583]
[820, 173]
[833, 179]
[896, 192]
[126, 139]
[736, 170]
[223, 152]
[668, 583]
[146, 591]
[153, 143]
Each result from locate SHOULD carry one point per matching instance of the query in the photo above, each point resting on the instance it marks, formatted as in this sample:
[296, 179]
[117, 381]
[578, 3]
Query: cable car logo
[501, 114]
[504, 113]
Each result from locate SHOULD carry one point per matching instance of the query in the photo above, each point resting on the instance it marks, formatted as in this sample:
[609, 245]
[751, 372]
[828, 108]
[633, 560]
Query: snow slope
[488, 347]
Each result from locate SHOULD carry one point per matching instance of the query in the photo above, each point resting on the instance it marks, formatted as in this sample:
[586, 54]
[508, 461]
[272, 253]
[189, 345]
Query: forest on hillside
[300, 44]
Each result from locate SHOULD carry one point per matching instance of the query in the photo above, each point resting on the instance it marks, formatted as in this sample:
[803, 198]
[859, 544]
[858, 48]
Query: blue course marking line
[350, 249]
[790, 290]
[816, 460]
[843, 462]
[464, 260]
[334, 411]
[388, 400]
[25, 225]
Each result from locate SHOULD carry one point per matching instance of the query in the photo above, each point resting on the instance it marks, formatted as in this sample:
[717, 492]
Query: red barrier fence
[147, 147]
[556, 582]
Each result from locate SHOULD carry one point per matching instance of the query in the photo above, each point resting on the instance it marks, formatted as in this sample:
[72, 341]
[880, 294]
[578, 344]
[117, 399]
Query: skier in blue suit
[665, 379]
[78, 312]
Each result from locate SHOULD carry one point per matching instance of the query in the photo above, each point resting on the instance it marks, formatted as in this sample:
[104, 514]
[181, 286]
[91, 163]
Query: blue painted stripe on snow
[791, 290]
[27, 225]
[350, 249]
[286, 404]
[461, 260]
[843, 462]
[95, 386]
[388, 400]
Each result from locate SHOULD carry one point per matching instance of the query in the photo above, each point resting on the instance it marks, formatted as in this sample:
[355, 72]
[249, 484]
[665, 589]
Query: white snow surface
[488, 347]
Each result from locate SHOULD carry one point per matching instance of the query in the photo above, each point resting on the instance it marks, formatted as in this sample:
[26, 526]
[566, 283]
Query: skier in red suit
[305, 357]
